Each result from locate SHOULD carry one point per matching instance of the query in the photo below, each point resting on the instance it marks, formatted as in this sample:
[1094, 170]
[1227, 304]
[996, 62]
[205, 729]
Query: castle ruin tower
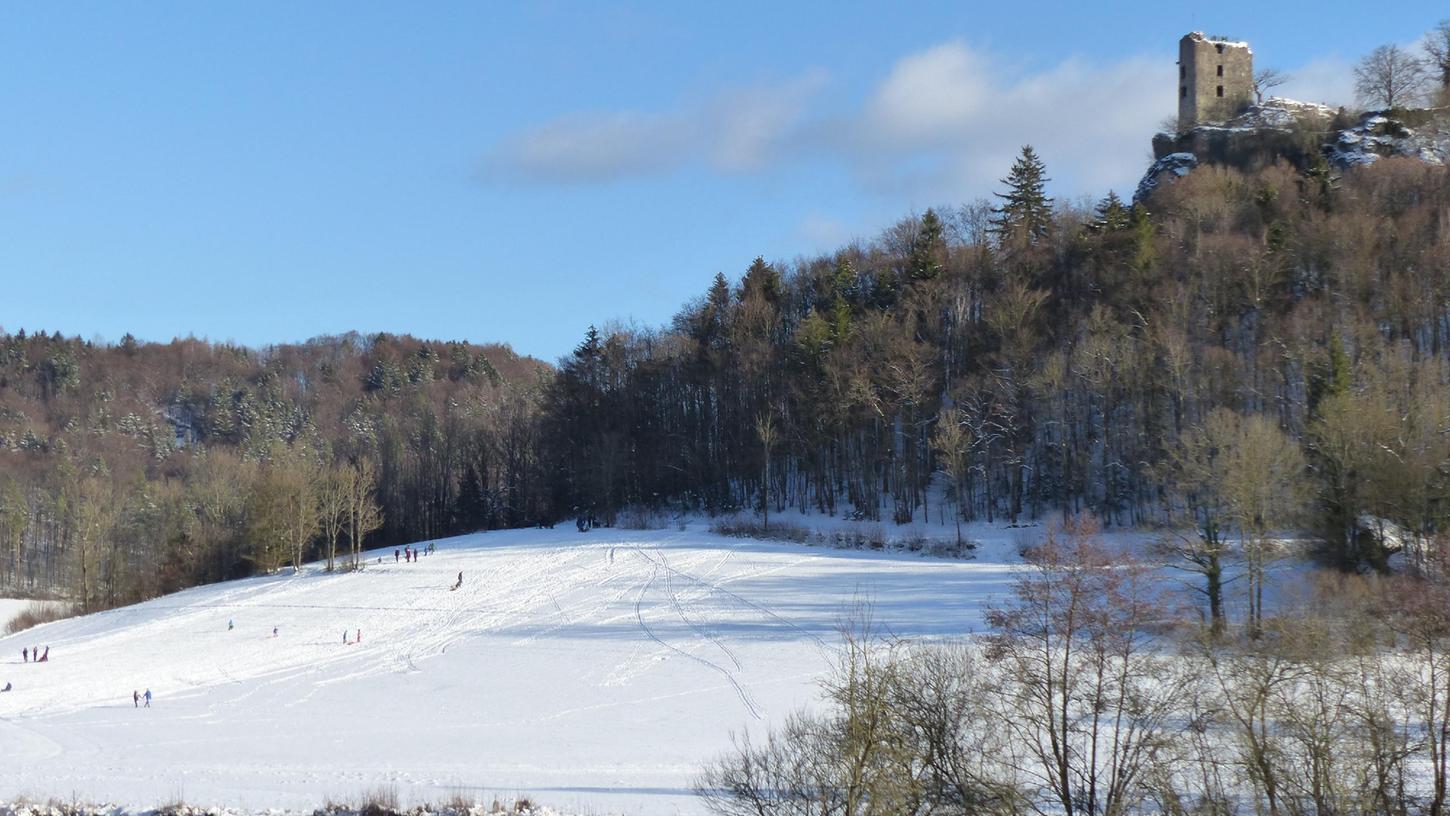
[1215, 80]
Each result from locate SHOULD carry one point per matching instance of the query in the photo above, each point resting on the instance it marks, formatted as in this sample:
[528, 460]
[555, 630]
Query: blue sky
[268, 172]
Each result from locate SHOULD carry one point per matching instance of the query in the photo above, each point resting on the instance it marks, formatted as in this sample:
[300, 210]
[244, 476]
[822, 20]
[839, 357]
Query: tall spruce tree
[1026, 212]
[927, 250]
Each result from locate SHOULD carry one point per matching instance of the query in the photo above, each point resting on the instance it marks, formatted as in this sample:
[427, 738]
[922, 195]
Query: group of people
[137, 697]
[411, 554]
[30, 654]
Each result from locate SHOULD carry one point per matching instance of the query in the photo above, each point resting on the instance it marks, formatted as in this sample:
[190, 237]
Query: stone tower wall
[1215, 80]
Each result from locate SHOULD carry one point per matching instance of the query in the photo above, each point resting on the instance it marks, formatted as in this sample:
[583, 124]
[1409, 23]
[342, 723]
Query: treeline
[1004, 360]
[1017, 358]
[1091, 695]
[131, 470]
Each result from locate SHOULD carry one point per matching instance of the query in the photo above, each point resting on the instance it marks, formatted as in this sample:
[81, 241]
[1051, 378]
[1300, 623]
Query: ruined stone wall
[1215, 80]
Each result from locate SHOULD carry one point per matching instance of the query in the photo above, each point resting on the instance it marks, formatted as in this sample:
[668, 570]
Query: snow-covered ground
[594, 672]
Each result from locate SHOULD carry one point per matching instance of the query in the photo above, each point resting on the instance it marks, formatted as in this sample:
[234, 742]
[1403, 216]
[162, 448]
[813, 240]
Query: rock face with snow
[1165, 168]
[1423, 135]
[1303, 134]
[1259, 136]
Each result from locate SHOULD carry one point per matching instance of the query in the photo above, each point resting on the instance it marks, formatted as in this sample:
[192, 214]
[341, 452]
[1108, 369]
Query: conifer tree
[1110, 215]
[925, 261]
[763, 279]
[1026, 211]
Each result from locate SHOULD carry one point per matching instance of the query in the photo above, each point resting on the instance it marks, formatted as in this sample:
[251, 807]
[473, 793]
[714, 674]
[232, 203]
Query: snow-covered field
[593, 672]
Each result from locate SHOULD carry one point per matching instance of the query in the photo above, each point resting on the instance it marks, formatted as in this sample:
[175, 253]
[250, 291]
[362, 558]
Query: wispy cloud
[592, 148]
[739, 131]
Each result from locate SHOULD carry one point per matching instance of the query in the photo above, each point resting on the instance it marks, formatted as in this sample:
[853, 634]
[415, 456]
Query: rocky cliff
[1303, 134]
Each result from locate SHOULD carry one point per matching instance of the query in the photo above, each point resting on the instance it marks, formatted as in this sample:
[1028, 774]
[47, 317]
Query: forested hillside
[135, 469]
[1133, 363]
[1243, 353]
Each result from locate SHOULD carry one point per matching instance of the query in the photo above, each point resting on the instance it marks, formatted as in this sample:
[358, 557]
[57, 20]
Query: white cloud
[591, 148]
[752, 128]
[928, 97]
[736, 132]
[947, 122]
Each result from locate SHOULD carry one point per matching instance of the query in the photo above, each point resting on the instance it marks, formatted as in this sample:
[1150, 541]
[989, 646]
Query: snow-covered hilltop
[1303, 134]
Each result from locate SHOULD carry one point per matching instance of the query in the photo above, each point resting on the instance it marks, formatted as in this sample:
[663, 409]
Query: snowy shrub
[37, 613]
[639, 517]
[381, 801]
[745, 527]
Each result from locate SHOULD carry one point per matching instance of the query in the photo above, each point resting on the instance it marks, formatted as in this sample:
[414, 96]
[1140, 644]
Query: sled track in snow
[694, 626]
[716, 587]
[740, 691]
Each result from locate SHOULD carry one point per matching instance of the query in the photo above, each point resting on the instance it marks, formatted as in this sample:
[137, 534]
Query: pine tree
[1110, 215]
[763, 279]
[1026, 211]
[927, 251]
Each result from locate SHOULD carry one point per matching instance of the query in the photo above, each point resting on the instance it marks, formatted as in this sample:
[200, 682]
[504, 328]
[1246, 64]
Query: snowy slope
[592, 671]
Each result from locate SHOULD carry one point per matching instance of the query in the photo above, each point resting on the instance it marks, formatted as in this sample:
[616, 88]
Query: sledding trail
[740, 691]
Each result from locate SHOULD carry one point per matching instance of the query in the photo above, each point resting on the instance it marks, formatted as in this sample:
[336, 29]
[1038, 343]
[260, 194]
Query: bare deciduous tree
[364, 515]
[953, 442]
[1390, 77]
[1263, 492]
[906, 733]
[332, 505]
[1197, 470]
[1085, 696]
[1266, 79]
[1437, 55]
